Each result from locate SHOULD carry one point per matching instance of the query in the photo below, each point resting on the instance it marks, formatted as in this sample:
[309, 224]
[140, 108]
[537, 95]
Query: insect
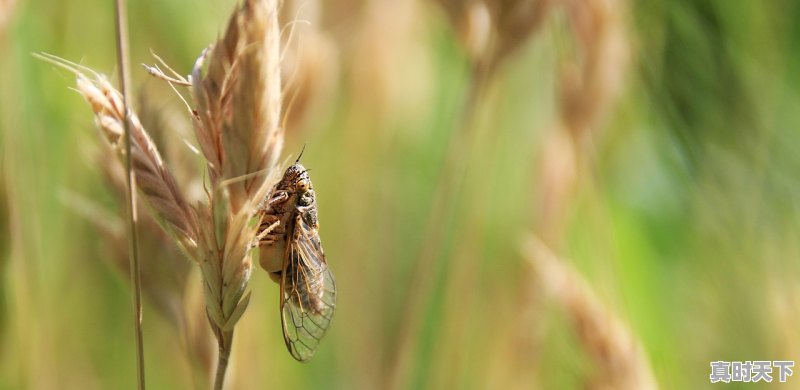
[292, 253]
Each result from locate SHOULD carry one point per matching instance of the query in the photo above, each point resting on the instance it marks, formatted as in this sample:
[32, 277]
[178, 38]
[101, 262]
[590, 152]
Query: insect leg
[267, 230]
[278, 196]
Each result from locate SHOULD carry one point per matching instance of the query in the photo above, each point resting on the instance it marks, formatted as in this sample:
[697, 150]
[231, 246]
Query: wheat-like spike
[204, 119]
[236, 121]
[619, 357]
[590, 83]
[516, 21]
[153, 180]
[252, 139]
[492, 30]
[238, 102]
[212, 94]
[163, 271]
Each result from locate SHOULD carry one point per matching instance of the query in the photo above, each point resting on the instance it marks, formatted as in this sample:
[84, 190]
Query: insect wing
[308, 293]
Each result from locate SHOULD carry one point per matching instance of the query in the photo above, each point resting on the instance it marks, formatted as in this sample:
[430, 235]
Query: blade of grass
[124, 80]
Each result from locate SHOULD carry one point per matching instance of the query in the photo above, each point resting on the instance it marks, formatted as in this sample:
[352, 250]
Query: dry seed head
[516, 21]
[165, 277]
[591, 82]
[205, 118]
[156, 184]
[492, 30]
[226, 269]
[475, 29]
[171, 130]
[239, 101]
[237, 125]
[473, 24]
[164, 271]
[255, 139]
[212, 95]
[617, 354]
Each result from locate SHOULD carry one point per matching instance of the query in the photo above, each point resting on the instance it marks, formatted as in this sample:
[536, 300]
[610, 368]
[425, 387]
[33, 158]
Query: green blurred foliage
[686, 228]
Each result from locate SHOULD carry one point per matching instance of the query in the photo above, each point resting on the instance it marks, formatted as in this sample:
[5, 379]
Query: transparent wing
[308, 293]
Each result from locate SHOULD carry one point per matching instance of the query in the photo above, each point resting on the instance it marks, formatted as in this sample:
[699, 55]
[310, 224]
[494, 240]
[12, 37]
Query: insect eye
[302, 185]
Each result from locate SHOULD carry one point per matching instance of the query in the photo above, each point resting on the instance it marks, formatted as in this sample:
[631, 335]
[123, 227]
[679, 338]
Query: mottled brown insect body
[281, 207]
[292, 253]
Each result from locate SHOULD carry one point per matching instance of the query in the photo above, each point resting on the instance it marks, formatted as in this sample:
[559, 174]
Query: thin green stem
[133, 239]
[225, 340]
[444, 206]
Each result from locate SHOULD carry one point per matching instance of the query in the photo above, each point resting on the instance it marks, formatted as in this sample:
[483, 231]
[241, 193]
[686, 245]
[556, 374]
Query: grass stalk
[133, 242]
[236, 122]
[460, 150]
[225, 340]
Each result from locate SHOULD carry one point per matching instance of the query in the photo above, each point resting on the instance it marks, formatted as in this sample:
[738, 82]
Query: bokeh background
[513, 194]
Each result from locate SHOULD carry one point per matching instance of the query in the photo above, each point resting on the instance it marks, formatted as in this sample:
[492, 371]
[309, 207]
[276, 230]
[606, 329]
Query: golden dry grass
[647, 150]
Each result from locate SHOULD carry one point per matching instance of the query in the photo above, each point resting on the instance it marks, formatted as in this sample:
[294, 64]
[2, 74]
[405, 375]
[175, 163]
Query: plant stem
[225, 340]
[451, 180]
[133, 239]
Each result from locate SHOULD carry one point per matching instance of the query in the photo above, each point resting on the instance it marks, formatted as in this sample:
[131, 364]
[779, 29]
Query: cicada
[291, 251]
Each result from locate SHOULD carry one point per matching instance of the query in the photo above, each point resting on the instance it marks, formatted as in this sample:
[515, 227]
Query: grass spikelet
[492, 30]
[236, 121]
[593, 78]
[153, 179]
[253, 141]
[620, 360]
[239, 100]
[237, 125]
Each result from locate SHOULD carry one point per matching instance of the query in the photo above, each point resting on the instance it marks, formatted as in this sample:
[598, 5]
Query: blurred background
[512, 194]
